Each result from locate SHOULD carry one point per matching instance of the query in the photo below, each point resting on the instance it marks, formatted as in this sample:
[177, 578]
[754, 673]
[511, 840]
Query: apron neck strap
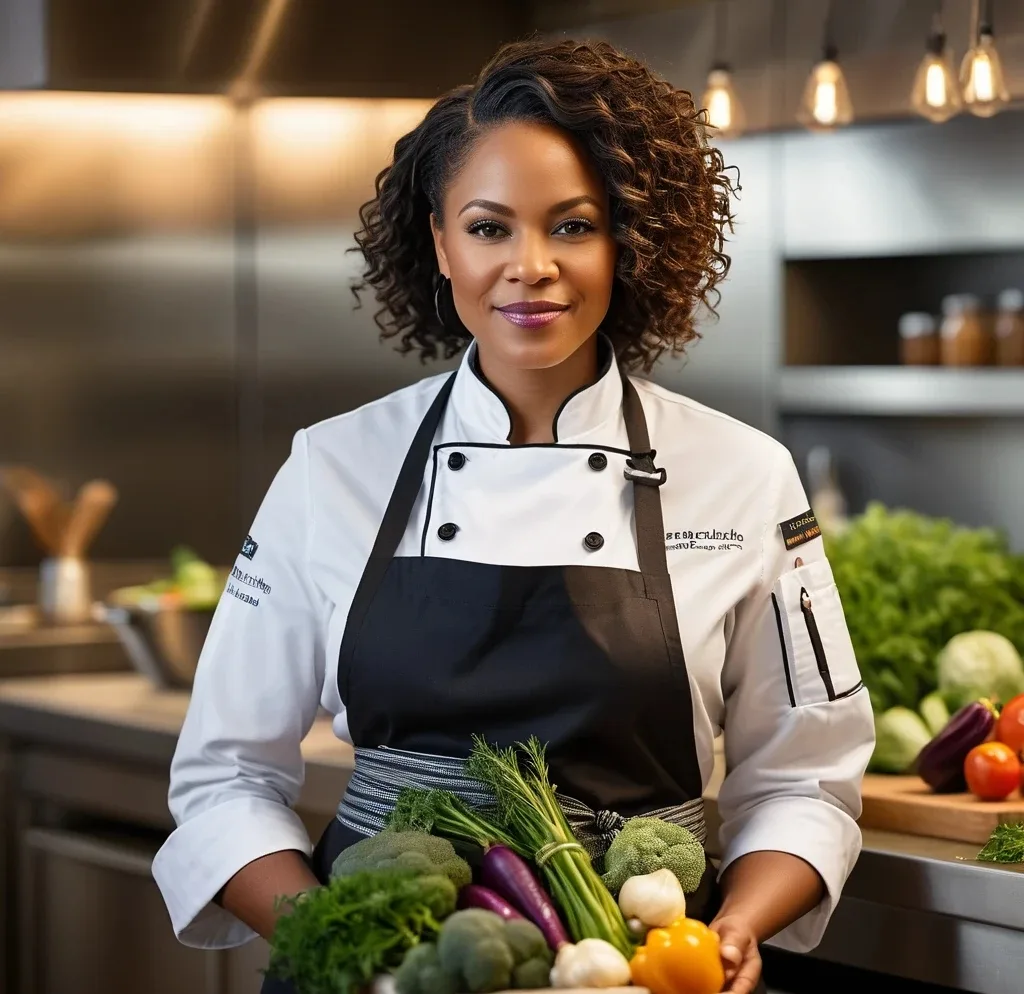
[650, 525]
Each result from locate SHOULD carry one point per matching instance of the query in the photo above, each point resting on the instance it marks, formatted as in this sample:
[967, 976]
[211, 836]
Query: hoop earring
[441, 280]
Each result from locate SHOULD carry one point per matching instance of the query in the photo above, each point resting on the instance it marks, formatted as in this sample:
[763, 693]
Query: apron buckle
[640, 468]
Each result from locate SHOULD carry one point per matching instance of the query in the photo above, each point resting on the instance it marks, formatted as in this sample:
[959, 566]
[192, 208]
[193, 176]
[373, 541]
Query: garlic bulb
[656, 898]
[590, 963]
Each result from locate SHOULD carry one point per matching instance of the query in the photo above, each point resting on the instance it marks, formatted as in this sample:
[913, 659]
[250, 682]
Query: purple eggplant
[503, 871]
[475, 896]
[940, 764]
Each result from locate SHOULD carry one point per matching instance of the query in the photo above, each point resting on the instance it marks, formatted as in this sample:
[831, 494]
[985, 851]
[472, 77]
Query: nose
[531, 261]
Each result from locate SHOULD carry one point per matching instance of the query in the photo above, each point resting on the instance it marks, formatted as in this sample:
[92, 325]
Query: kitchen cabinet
[91, 921]
[83, 810]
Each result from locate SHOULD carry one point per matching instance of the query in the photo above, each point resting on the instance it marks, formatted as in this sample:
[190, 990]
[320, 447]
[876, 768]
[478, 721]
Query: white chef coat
[795, 753]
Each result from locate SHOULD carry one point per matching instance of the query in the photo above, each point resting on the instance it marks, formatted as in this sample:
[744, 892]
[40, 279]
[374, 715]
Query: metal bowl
[163, 643]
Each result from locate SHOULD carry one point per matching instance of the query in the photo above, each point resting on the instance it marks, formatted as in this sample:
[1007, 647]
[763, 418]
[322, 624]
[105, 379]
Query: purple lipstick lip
[532, 313]
[533, 307]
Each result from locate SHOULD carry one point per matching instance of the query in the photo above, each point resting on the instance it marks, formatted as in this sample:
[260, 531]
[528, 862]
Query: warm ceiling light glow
[725, 112]
[167, 119]
[88, 162]
[936, 92]
[982, 78]
[826, 103]
[310, 152]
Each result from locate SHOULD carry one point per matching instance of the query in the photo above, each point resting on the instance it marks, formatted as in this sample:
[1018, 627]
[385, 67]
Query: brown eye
[575, 227]
[486, 229]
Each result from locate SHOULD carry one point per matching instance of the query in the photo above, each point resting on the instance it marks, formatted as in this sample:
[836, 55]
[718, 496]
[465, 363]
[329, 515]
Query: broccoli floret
[473, 948]
[404, 850]
[533, 975]
[438, 894]
[421, 972]
[648, 844]
[531, 953]
[486, 953]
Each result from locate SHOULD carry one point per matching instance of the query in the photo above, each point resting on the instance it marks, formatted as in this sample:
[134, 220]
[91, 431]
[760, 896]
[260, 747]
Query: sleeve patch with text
[803, 528]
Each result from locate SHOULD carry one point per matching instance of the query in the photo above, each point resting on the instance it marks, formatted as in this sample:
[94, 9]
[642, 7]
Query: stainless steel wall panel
[117, 319]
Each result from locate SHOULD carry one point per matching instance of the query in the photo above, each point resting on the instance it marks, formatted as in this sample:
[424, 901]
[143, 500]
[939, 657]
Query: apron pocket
[816, 649]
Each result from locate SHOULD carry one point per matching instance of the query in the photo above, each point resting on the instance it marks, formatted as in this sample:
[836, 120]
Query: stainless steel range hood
[400, 48]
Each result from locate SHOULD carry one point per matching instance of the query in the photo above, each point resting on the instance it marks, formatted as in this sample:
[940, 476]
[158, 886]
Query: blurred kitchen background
[179, 186]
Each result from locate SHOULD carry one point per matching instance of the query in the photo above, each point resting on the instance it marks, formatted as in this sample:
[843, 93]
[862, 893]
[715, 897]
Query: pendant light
[936, 92]
[826, 103]
[981, 74]
[724, 110]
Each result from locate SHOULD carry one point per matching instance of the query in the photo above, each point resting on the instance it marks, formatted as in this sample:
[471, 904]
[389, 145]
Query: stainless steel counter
[914, 907]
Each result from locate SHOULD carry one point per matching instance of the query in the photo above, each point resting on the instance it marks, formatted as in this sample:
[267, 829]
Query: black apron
[588, 659]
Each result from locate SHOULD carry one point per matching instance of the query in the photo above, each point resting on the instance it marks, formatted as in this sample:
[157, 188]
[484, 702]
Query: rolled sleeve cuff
[815, 830]
[206, 851]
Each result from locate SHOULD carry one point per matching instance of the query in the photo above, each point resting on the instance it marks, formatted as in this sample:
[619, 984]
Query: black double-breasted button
[456, 461]
[593, 541]
[598, 461]
[447, 531]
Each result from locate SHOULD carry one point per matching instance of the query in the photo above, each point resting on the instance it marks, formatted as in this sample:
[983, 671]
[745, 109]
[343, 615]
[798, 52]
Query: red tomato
[992, 770]
[1010, 727]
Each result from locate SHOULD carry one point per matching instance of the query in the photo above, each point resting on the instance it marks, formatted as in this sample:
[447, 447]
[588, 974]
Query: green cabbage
[979, 664]
[900, 734]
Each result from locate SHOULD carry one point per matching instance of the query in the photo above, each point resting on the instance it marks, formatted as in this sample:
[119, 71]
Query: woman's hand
[739, 952]
[762, 893]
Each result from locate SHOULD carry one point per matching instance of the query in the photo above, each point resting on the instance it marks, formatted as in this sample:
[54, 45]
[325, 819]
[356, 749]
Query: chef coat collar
[484, 417]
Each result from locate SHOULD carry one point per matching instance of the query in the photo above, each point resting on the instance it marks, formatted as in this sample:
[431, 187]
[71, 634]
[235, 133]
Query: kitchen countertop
[122, 715]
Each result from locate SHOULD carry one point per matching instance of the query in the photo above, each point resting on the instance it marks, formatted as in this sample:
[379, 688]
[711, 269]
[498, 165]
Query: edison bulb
[725, 112]
[936, 92]
[982, 79]
[826, 103]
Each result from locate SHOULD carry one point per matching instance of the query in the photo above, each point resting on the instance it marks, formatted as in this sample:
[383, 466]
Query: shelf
[901, 391]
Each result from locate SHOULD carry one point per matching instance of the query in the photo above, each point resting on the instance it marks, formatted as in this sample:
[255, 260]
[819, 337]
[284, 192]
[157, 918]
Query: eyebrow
[505, 211]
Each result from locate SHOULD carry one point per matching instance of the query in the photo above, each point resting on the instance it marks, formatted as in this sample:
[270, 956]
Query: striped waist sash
[381, 774]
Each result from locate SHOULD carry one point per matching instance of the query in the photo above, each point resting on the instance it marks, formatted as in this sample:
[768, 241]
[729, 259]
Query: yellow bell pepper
[681, 959]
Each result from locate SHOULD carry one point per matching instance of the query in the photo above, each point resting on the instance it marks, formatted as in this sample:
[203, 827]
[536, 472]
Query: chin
[534, 348]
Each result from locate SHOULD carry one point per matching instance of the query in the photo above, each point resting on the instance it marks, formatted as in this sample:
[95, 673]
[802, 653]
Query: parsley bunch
[335, 939]
[909, 583]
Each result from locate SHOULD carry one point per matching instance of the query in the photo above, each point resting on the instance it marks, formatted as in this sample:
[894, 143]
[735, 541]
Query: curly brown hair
[668, 191]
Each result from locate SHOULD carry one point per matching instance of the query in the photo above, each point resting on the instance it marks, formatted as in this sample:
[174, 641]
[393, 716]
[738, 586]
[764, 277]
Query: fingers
[749, 973]
[734, 948]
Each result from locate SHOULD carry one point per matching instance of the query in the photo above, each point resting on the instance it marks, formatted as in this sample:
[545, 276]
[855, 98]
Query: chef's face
[526, 241]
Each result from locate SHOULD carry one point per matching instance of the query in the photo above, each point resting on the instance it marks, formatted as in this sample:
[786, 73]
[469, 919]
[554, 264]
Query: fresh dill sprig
[1005, 845]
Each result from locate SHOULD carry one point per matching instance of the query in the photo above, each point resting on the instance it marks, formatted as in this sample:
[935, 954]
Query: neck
[533, 396]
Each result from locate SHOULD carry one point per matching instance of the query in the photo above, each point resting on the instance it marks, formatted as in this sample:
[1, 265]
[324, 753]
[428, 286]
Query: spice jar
[1010, 328]
[965, 336]
[919, 339]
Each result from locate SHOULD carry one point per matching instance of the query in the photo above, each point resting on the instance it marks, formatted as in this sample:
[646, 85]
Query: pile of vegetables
[194, 585]
[975, 670]
[909, 585]
[405, 904]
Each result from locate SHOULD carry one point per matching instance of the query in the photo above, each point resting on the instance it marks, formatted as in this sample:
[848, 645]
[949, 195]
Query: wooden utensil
[40, 504]
[90, 510]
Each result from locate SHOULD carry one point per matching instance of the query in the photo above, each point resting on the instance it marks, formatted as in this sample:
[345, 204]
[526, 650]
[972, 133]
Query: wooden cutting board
[906, 804]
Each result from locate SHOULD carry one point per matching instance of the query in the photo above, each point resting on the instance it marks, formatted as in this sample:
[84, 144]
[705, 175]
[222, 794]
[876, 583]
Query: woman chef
[537, 544]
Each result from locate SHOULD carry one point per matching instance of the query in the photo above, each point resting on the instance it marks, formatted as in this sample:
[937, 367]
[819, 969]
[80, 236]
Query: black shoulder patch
[249, 547]
[803, 528]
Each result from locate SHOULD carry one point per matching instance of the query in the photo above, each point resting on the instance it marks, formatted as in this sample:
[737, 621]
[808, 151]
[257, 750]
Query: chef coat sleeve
[795, 748]
[238, 768]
